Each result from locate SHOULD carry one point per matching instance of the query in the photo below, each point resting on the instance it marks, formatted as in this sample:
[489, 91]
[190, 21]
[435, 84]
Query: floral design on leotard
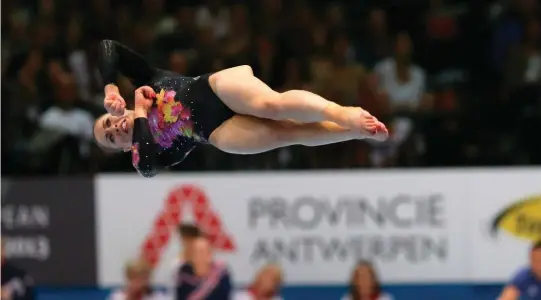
[135, 154]
[170, 119]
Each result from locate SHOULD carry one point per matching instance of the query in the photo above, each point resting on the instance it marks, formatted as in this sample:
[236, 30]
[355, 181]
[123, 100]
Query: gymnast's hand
[113, 102]
[144, 98]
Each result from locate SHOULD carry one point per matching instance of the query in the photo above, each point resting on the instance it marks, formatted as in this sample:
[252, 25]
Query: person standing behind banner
[137, 273]
[16, 283]
[266, 285]
[202, 277]
[526, 284]
[365, 285]
[188, 233]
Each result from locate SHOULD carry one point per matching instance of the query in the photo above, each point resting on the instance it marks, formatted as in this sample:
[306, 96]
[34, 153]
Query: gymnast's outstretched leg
[251, 135]
[245, 94]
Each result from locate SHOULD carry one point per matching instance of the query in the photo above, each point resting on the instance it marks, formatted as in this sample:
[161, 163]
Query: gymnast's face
[115, 132]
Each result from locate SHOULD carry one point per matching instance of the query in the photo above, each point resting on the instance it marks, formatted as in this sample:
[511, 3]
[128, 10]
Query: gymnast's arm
[144, 148]
[115, 58]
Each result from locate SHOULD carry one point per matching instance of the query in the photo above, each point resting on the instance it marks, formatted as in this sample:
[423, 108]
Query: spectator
[213, 15]
[335, 17]
[202, 277]
[178, 62]
[401, 83]
[21, 85]
[299, 23]
[295, 45]
[270, 16]
[154, 12]
[524, 62]
[401, 92]
[376, 43]
[237, 43]
[137, 287]
[16, 283]
[65, 118]
[442, 29]
[78, 59]
[296, 75]
[526, 284]
[510, 29]
[15, 39]
[188, 233]
[23, 96]
[181, 35]
[442, 20]
[264, 59]
[345, 74]
[266, 285]
[365, 285]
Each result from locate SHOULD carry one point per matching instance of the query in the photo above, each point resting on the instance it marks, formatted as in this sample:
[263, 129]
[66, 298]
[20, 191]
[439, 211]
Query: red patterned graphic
[167, 221]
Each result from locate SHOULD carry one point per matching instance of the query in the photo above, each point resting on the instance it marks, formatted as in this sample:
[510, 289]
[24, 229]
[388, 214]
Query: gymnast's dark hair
[354, 290]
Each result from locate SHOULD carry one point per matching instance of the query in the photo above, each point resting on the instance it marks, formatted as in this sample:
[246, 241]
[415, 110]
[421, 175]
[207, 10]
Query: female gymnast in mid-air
[231, 110]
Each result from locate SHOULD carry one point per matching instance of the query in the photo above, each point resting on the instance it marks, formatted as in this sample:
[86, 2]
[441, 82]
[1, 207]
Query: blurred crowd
[197, 274]
[457, 82]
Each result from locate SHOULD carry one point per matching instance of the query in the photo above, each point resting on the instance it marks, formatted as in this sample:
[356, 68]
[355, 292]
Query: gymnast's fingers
[109, 106]
[147, 92]
[117, 109]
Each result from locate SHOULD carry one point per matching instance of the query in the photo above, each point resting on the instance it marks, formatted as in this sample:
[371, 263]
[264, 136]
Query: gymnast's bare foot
[366, 125]
[372, 128]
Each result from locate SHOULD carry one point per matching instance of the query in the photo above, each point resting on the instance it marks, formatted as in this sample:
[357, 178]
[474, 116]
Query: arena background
[446, 209]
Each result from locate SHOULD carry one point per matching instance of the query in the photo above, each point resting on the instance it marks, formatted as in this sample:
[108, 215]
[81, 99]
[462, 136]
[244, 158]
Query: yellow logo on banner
[522, 219]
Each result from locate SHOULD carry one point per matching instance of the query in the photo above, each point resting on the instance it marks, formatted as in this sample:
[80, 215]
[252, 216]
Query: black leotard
[185, 112]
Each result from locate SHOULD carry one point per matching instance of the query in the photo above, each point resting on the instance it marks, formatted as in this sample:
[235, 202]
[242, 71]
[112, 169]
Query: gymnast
[231, 110]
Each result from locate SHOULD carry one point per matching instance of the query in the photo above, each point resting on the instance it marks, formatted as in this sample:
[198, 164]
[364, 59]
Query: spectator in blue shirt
[526, 284]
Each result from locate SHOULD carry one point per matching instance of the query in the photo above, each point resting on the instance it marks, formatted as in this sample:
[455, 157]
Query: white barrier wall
[417, 226]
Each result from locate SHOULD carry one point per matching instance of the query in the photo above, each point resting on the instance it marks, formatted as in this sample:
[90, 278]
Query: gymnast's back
[184, 114]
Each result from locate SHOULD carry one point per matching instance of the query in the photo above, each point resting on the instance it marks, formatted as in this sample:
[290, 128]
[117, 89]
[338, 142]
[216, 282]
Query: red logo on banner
[171, 215]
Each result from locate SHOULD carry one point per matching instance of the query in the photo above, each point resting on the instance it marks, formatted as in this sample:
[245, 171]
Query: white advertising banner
[316, 225]
[505, 219]
[416, 226]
